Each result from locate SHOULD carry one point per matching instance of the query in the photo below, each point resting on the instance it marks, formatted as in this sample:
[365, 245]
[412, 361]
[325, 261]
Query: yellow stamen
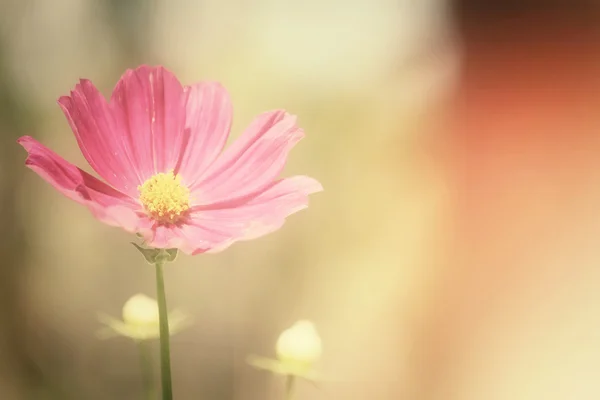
[164, 197]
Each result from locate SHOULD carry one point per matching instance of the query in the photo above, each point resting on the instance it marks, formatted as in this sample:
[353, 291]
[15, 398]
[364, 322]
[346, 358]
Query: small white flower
[140, 320]
[300, 344]
[298, 349]
[140, 310]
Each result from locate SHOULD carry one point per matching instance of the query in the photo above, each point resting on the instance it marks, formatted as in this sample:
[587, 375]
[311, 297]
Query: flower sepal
[154, 256]
[284, 368]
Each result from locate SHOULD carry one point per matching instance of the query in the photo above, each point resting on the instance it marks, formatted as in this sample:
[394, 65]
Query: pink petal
[148, 105]
[98, 137]
[214, 229]
[208, 120]
[107, 204]
[252, 162]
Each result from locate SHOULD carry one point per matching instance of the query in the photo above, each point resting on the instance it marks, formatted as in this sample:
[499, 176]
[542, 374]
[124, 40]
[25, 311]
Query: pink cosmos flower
[159, 147]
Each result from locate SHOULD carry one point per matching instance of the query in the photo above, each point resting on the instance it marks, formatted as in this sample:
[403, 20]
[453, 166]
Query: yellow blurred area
[425, 264]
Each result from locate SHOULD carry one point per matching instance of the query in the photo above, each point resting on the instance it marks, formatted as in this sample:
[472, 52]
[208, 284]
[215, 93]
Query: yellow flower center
[164, 197]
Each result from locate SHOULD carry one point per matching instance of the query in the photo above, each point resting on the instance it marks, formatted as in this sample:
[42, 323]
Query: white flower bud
[141, 310]
[299, 345]
[141, 320]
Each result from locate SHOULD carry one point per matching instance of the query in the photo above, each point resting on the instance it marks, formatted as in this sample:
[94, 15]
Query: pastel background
[451, 256]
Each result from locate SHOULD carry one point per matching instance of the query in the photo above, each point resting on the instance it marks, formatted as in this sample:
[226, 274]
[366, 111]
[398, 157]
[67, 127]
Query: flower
[140, 320]
[159, 147]
[299, 344]
[298, 348]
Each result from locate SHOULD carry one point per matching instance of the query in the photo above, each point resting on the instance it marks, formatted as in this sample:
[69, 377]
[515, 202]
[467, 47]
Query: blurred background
[453, 254]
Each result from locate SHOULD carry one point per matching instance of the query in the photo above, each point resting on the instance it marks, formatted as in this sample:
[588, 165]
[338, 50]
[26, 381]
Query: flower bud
[141, 310]
[299, 346]
[141, 320]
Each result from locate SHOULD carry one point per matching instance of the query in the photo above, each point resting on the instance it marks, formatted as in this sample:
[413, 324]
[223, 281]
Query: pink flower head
[159, 147]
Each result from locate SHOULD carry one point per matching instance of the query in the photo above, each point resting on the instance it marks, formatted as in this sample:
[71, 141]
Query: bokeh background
[453, 254]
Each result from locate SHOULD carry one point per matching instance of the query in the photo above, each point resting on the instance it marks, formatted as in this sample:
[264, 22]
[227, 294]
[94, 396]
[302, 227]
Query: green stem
[146, 367]
[289, 387]
[165, 353]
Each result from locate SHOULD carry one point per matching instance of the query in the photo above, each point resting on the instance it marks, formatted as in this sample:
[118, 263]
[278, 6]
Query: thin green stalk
[290, 384]
[147, 370]
[165, 353]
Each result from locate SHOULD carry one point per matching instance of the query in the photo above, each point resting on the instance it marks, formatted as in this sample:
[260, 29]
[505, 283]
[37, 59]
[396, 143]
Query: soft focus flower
[299, 344]
[159, 146]
[140, 320]
[298, 349]
[140, 310]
